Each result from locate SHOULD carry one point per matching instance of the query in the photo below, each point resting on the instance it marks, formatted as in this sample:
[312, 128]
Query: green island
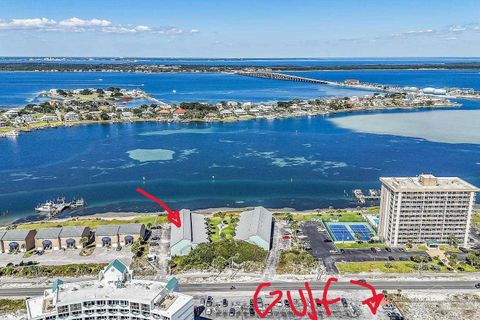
[105, 106]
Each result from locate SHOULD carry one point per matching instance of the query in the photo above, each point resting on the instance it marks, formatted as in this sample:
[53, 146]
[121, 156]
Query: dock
[373, 195]
[53, 207]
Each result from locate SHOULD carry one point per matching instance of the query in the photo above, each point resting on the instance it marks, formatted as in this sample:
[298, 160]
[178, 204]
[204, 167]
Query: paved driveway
[60, 257]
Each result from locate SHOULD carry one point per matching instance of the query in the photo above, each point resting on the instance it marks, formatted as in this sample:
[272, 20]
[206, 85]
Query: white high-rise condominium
[425, 209]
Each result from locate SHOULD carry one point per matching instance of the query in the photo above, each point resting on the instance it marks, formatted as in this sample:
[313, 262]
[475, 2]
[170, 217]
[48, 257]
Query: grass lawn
[297, 262]
[94, 223]
[379, 266]
[67, 270]
[449, 248]
[6, 129]
[355, 245]
[11, 306]
[227, 231]
[415, 248]
[342, 216]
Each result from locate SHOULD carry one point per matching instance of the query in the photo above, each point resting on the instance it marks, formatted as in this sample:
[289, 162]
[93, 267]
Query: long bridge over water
[289, 77]
[283, 76]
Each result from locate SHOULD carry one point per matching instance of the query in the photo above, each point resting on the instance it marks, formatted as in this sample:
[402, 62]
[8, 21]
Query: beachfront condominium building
[115, 295]
[425, 209]
[256, 227]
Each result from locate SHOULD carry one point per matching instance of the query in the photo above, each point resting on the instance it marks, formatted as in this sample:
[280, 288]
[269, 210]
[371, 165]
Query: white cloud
[76, 24]
[35, 23]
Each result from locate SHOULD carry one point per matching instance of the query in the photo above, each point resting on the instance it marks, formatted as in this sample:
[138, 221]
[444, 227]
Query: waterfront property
[426, 209]
[256, 226]
[191, 233]
[71, 236]
[115, 295]
[18, 240]
[48, 239]
[107, 236]
[128, 233]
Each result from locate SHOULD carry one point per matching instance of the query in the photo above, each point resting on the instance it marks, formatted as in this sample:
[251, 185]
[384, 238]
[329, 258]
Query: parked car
[286, 303]
[342, 250]
[208, 311]
[260, 302]
[362, 280]
[388, 249]
[477, 285]
[391, 258]
[252, 312]
[225, 302]
[231, 313]
[209, 301]
[202, 301]
[373, 249]
[464, 250]
[327, 240]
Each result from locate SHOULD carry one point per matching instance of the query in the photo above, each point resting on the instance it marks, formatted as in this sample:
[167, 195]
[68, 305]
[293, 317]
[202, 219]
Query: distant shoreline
[185, 68]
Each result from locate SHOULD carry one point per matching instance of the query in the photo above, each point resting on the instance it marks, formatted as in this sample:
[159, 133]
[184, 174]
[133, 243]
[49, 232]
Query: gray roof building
[73, 232]
[107, 230]
[192, 232]
[255, 226]
[131, 228]
[16, 235]
[48, 233]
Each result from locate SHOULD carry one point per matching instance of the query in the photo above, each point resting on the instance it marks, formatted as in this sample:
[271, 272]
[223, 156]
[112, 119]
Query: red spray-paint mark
[173, 216]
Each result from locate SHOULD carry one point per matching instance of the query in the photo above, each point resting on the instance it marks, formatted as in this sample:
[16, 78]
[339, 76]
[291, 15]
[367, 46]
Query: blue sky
[246, 28]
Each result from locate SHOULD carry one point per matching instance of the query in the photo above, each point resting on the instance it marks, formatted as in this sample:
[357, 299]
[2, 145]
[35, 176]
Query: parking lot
[327, 252]
[159, 252]
[239, 307]
[60, 257]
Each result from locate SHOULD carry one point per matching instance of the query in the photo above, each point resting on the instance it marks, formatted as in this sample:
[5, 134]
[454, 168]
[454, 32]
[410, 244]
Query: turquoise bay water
[300, 163]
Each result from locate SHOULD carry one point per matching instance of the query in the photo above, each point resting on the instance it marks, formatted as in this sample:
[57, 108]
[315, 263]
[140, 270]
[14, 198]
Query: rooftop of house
[193, 228]
[16, 235]
[48, 233]
[131, 228]
[256, 223]
[72, 231]
[107, 230]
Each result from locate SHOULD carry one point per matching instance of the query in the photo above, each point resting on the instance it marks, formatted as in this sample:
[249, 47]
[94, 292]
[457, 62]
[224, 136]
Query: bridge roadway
[286, 77]
[206, 288]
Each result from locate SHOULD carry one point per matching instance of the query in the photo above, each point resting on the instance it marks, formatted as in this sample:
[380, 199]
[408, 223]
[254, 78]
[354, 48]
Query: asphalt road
[314, 285]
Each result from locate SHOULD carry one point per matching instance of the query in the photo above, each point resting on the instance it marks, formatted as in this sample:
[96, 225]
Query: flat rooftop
[424, 183]
[140, 291]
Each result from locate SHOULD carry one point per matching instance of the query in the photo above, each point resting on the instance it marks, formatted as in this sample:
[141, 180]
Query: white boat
[47, 207]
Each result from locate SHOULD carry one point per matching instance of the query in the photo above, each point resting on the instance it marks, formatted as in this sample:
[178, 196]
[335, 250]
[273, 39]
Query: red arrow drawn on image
[173, 216]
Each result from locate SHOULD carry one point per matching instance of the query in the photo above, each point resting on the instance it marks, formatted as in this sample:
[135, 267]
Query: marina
[51, 208]
[372, 195]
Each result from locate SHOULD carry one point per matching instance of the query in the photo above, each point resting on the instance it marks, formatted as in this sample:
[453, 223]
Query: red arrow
[173, 216]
